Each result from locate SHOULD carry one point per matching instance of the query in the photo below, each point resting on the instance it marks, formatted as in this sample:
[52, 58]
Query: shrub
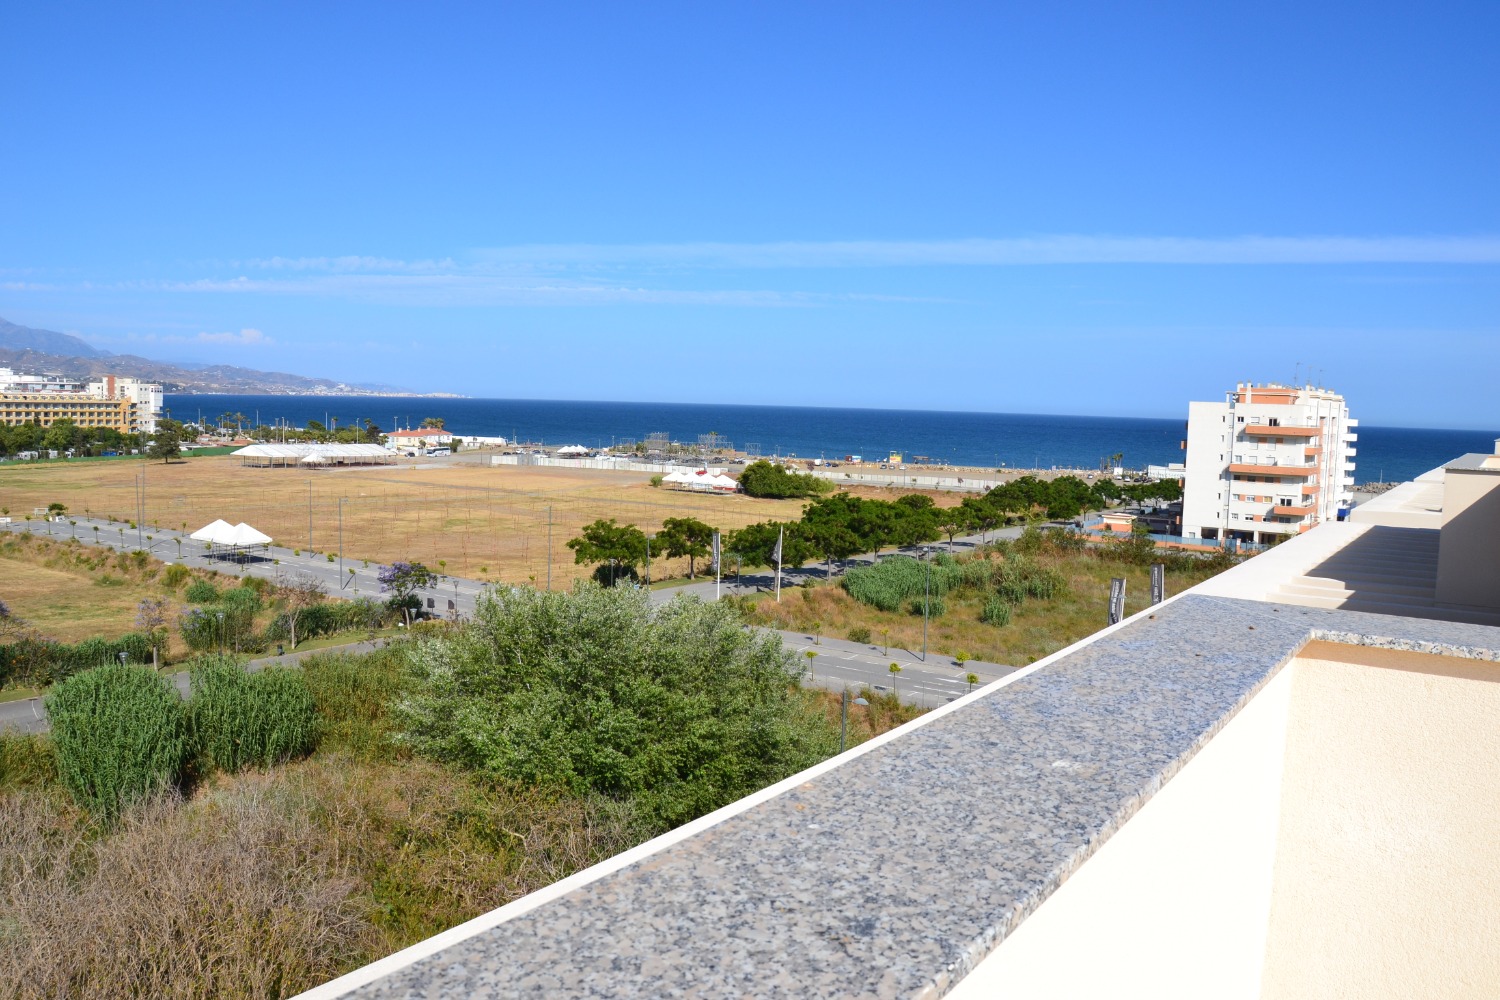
[174, 575]
[996, 612]
[201, 592]
[247, 598]
[859, 633]
[676, 708]
[119, 735]
[935, 606]
[238, 719]
[353, 694]
[656, 480]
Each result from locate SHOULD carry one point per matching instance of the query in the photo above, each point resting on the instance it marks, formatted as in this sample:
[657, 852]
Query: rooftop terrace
[1226, 795]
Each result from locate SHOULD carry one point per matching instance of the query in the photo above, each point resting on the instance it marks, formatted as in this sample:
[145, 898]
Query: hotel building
[1269, 461]
[127, 405]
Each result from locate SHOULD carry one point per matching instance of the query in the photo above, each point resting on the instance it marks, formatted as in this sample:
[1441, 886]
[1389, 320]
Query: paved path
[838, 663]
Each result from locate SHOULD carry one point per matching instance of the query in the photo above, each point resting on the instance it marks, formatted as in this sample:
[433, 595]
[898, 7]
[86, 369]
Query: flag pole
[718, 562]
[780, 536]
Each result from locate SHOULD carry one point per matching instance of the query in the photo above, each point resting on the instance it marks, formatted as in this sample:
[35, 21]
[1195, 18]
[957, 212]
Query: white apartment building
[147, 397]
[129, 405]
[1269, 461]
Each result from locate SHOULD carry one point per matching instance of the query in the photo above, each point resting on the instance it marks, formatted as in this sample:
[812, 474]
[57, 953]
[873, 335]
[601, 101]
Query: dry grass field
[69, 604]
[479, 521]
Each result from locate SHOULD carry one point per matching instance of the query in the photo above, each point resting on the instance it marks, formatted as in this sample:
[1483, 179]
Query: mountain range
[26, 349]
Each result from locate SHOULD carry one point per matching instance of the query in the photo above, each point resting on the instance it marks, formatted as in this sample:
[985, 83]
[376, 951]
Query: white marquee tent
[235, 539]
[310, 455]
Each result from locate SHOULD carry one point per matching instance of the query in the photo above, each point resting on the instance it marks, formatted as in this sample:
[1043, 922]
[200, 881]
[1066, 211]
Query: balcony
[1310, 490]
[1349, 436]
[1287, 510]
[1312, 451]
[1256, 469]
[1350, 452]
[1271, 430]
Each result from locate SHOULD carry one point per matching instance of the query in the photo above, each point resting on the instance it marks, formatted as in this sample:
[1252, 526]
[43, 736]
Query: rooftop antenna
[1297, 378]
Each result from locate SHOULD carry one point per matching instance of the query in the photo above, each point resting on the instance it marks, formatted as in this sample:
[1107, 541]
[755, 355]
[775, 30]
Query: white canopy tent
[233, 539]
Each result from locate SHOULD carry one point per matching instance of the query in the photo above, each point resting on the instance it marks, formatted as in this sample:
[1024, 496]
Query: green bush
[676, 708]
[859, 633]
[174, 575]
[353, 694]
[935, 606]
[239, 719]
[119, 734]
[40, 661]
[996, 612]
[890, 583]
[241, 597]
[201, 592]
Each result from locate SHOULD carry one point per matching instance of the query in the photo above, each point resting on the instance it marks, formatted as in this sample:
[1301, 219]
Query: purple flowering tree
[151, 618]
[402, 580]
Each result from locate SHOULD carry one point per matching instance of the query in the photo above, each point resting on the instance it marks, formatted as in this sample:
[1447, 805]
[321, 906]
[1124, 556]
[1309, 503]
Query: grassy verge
[266, 883]
[1037, 627]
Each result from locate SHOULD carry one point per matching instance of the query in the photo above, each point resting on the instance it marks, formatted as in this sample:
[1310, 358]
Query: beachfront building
[127, 405]
[1267, 462]
[422, 437]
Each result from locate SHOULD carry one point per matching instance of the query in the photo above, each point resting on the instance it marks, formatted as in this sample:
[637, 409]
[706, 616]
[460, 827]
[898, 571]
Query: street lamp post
[342, 579]
[926, 599]
[220, 616]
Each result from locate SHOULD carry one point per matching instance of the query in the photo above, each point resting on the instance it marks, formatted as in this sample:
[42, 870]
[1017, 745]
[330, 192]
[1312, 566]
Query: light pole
[220, 616]
[648, 560]
[342, 579]
[926, 599]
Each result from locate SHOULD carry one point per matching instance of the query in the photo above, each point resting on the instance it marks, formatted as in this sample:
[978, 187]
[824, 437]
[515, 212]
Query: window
[1242, 420]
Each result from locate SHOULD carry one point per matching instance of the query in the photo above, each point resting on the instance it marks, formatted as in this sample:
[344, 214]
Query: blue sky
[1051, 208]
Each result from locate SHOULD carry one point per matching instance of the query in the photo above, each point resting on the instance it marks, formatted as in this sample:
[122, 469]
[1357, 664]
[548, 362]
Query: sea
[984, 440]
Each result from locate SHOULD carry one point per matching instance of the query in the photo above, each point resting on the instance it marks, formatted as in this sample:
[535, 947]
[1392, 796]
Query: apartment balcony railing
[1271, 468]
[1276, 430]
[1350, 452]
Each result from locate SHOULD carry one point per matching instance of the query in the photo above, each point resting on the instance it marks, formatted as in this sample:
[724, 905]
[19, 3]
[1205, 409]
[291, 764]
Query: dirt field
[473, 520]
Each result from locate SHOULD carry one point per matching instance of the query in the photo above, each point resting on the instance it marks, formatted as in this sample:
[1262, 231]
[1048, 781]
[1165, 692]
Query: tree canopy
[763, 479]
[619, 549]
[685, 537]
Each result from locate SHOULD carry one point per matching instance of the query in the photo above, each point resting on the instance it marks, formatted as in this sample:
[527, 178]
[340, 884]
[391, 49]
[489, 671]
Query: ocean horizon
[984, 440]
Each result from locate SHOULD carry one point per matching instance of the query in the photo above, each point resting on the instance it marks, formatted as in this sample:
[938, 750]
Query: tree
[762, 479]
[437, 423]
[402, 580]
[165, 445]
[151, 618]
[298, 591]
[954, 521]
[983, 513]
[756, 544]
[685, 536]
[618, 548]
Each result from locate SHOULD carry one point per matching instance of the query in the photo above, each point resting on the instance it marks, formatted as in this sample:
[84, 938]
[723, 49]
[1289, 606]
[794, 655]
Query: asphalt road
[837, 664]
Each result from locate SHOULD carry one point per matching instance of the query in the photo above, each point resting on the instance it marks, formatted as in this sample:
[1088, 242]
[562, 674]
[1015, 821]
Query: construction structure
[1267, 462]
[127, 405]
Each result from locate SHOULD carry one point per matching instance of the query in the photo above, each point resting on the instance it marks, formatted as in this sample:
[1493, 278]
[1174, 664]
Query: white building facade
[1269, 461]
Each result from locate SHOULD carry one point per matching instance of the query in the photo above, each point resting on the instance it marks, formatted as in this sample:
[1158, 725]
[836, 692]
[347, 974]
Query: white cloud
[1057, 249]
[245, 338]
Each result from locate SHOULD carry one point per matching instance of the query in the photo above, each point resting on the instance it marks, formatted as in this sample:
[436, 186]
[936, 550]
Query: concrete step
[1405, 587]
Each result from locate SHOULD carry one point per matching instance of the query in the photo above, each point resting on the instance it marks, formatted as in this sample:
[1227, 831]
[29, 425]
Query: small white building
[422, 437]
[1269, 461]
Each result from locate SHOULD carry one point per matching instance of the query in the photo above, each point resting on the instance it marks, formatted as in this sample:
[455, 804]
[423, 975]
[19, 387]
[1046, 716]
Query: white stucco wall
[1387, 882]
[1174, 904]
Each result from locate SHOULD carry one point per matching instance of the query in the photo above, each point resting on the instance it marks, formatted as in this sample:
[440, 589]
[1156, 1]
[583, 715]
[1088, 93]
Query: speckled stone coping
[895, 873]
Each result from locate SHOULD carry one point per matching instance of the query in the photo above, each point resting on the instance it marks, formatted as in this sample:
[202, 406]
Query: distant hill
[24, 338]
[22, 347]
